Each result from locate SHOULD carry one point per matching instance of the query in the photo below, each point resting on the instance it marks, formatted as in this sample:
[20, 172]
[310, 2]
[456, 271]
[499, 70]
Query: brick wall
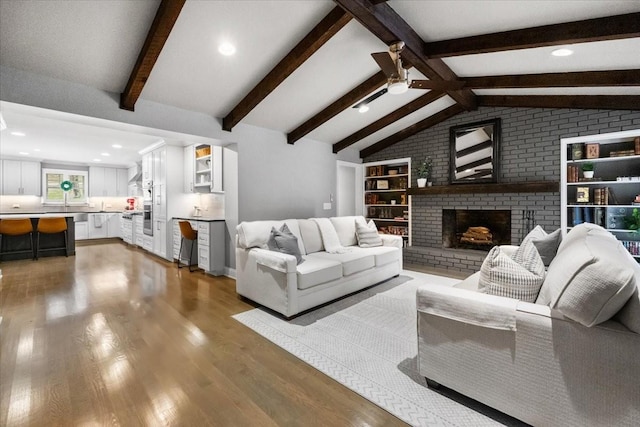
[530, 151]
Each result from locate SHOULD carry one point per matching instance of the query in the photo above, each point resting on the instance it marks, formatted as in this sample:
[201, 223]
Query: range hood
[135, 174]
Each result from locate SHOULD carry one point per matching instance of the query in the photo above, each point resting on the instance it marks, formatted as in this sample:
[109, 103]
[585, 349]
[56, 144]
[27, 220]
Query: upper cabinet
[107, 182]
[20, 178]
[203, 169]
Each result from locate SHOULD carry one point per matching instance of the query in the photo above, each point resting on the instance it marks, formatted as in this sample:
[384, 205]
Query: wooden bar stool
[190, 234]
[52, 226]
[17, 227]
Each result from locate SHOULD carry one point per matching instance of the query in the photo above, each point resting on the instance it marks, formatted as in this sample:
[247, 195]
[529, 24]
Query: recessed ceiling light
[18, 134]
[36, 149]
[24, 153]
[227, 49]
[105, 154]
[363, 108]
[117, 146]
[97, 160]
[562, 52]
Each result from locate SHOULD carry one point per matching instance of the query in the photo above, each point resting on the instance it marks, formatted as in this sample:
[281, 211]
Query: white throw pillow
[368, 236]
[518, 277]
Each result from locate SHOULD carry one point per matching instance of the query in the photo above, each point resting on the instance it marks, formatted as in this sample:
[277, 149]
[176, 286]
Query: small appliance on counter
[131, 204]
[197, 212]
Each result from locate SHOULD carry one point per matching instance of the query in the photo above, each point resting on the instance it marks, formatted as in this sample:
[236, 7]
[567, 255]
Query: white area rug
[368, 342]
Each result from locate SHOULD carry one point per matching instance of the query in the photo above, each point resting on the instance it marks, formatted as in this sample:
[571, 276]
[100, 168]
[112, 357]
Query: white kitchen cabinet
[159, 183]
[147, 167]
[160, 237]
[138, 233]
[81, 230]
[206, 172]
[211, 246]
[20, 178]
[107, 182]
[126, 229]
[113, 225]
[98, 226]
[189, 174]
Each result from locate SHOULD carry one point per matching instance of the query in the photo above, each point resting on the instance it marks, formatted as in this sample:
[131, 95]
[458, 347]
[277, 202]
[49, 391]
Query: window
[53, 192]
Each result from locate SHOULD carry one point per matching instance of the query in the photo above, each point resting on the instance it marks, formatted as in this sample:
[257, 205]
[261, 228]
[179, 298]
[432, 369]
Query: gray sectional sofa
[276, 281]
[540, 362]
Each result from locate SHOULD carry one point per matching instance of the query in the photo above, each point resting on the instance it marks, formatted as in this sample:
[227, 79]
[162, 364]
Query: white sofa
[530, 360]
[273, 279]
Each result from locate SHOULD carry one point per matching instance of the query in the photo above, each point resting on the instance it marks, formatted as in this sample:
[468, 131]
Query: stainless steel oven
[147, 219]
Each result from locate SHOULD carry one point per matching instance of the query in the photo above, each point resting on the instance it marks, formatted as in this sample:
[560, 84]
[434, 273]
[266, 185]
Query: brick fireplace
[477, 229]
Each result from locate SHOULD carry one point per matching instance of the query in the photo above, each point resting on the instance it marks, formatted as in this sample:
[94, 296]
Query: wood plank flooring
[116, 337]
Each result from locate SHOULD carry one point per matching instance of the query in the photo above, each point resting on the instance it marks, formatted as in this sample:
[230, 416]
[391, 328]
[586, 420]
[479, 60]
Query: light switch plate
[327, 206]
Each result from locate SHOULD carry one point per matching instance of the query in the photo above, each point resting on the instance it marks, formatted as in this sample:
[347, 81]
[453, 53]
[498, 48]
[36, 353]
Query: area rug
[368, 343]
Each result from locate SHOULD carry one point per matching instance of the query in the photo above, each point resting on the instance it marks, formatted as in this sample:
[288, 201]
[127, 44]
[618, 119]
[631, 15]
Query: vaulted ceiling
[301, 66]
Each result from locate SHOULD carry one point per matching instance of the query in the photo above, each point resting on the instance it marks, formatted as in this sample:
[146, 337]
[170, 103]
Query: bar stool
[190, 234]
[17, 227]
[52, 226]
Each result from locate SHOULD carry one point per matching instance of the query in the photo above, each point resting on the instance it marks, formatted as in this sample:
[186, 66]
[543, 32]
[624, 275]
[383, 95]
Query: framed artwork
[582, 194]
[593, 151]
[382, 184]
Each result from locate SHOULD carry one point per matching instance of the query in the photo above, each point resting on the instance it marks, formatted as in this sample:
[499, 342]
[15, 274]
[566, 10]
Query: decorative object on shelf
[382, 184]
[582, 195]
[424, 172]
[576, 151]
[203, 152]
[587, 170]
[475, 155]
[622, 153]
[593, 150]
[632, 222]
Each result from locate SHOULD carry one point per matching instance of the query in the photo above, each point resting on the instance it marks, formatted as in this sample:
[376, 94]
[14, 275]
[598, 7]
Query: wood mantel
[510, 187]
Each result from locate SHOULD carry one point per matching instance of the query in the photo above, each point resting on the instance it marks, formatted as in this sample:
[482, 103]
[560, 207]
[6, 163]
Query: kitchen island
[21, 243]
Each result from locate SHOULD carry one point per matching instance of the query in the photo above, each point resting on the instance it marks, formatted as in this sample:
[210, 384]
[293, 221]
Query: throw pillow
[546, 244]
[592, 277]
[284, 241]
[368, 236]
[518, 277]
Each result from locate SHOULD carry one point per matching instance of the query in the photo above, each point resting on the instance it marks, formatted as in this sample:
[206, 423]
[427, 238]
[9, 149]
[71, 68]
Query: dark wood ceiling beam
[610, 102]
[590, 30]
[163, 23]
[383, 22]
[321, 33]
[346, 101]
[578, 79]
[396, 115]
[412, 130]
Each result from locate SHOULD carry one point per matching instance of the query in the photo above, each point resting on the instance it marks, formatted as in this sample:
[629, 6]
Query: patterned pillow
[519, 276]
[284, 241]
[368, 236]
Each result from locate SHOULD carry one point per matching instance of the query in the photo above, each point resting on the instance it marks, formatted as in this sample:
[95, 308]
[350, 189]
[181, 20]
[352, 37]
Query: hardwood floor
[114, 336]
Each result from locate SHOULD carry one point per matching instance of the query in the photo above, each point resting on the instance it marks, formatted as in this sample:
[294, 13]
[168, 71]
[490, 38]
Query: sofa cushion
[629, 315]
[592, 276]
[546, 244]
[519, 276]
[254, 234]
[316, 271]
[383, 255]
[284, 241]
[346, 228]
[310, 235]
[352, 262]
[367, 235]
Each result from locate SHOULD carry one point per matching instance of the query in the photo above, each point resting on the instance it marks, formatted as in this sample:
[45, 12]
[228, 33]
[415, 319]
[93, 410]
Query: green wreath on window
[66, 185]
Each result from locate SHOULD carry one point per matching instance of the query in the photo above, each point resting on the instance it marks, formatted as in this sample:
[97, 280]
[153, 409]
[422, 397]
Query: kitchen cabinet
[82, 230]
[189, 173]
[147, 167]
[107, 182]
[138, 233]
[203, 169]
[98, 226]
[160, 237]
[126, 228]
[209, 246]
[21, 178]
[113, 225]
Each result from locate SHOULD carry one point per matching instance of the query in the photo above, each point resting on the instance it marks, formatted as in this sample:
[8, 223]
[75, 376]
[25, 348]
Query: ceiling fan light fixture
[397, 86]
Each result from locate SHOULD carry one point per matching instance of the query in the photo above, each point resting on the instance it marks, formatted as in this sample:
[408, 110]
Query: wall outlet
[16, 206]
[326, 206]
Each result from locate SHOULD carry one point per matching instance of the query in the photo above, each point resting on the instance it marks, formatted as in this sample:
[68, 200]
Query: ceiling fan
[398, 76]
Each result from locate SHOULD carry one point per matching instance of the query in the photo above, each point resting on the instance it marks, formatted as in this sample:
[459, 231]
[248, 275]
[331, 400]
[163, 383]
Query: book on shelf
[604, 196]
[572, 173]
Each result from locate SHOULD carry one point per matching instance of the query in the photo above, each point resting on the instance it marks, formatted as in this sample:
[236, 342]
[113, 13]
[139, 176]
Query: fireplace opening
[475, 229]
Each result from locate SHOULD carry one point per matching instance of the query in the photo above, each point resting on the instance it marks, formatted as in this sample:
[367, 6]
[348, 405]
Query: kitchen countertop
[38, 214]
[198, 218]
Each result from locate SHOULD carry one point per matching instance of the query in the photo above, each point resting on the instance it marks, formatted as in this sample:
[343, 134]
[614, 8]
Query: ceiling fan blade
[439, 85]
[385, 62]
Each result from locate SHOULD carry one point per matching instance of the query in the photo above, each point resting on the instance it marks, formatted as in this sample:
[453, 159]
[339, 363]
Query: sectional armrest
[391, 240]
[278, 261]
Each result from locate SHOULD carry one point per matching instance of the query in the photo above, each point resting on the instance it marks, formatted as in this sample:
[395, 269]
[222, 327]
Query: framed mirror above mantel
[475, 152]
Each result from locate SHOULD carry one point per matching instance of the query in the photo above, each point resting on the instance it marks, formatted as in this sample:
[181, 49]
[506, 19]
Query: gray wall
[530, 151]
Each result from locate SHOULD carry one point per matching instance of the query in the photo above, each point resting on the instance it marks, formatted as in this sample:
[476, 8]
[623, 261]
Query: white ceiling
[96, 43]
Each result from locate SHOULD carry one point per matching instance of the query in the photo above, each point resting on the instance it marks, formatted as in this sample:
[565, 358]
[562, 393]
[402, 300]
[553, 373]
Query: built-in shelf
[508, 187]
